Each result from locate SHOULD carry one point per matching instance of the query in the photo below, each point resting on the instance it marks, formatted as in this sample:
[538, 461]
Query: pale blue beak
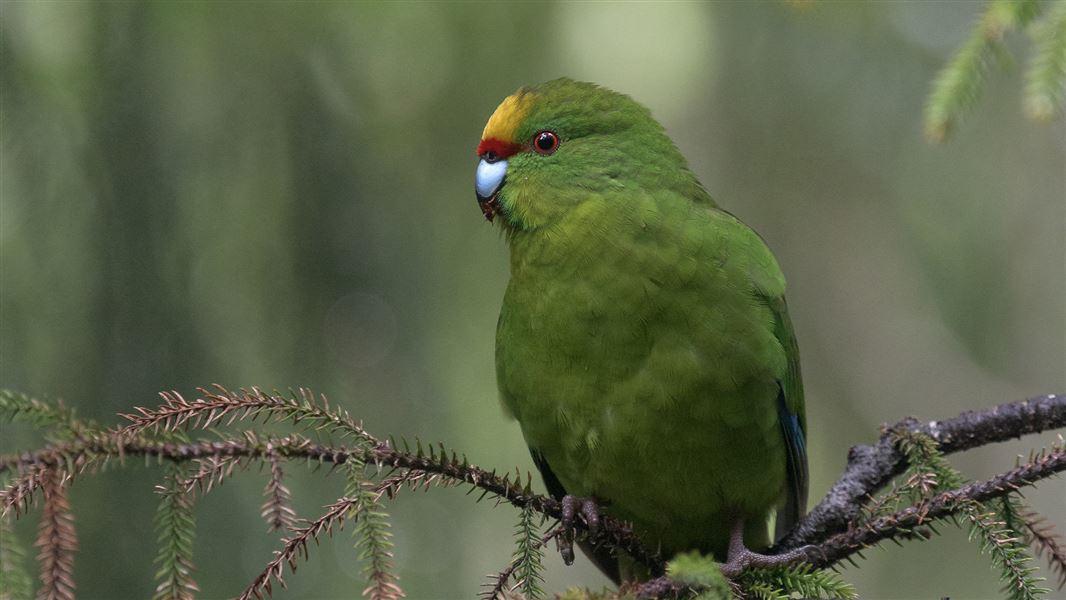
[489, 178]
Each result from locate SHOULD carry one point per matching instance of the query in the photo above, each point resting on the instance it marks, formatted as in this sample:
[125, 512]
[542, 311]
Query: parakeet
[643, 344]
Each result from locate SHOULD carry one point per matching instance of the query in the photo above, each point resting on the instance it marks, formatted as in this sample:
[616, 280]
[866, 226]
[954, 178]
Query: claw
[569, 511]
[740, 558]
[591, 512]
[565, 544]
[571, 506]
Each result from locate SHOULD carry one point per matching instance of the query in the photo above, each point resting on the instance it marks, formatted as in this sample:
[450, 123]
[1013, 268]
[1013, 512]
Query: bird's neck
[592, 232]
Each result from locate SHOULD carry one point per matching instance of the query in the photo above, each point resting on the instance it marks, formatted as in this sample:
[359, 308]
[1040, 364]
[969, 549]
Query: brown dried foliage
[56, 540]
[1047, 543]
[220, 406]
[19, 495]
[296, 547]
[277, 510]
[412, 479]
[211, 471]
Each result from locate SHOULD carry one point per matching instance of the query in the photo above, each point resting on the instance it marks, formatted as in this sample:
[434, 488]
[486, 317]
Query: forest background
[281, 195]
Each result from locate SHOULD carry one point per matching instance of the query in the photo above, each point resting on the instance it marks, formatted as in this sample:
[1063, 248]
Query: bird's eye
[545, 142]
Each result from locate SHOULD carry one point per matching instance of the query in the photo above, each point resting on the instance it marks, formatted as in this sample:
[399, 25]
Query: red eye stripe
[500, 148]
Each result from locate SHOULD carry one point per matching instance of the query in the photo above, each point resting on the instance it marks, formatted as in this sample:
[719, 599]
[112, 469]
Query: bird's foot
[741, 559]
[572, 508]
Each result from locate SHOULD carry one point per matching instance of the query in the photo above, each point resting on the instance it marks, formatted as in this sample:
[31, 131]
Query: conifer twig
[212, 471]
[372, 535]
[176, 527]
[1045, 86]
[497, 586]
[20, 493]
[15, 581]
[295, 547]
[220, 406]
[52, 417]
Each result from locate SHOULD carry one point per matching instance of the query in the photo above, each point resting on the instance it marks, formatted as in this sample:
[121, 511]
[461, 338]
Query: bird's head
[548, 148]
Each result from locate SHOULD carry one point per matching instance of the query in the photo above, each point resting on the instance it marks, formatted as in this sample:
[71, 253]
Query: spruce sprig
[987, 526]
[1045, 79]
[56, 420]
[15, 581]
[698, 576]
[529, 554]
[175, 525]
[800, 579]
[958, 86]
[372, 535]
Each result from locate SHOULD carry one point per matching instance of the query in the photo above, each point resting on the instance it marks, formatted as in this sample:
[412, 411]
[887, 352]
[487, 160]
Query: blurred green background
[281, 194]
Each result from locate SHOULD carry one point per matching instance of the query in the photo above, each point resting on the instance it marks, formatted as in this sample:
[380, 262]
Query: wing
[769, 286]
[601, 557]
[791, 413]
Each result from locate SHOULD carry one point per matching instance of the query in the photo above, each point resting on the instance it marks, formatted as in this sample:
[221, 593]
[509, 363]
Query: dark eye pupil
[545, 141]
[490, 156]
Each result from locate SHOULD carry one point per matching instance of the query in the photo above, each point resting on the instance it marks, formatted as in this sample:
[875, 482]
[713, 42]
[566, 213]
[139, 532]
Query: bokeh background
[281, 194]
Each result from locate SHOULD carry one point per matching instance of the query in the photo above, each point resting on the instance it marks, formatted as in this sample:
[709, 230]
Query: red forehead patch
[500, 148]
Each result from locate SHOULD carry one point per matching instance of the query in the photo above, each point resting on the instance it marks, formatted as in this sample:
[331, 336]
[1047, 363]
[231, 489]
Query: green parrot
[643, 344]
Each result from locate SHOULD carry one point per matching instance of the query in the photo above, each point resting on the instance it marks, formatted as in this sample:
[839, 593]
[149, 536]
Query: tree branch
[871, 467]
[612, 532]
[830, 527]
[843, 545]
